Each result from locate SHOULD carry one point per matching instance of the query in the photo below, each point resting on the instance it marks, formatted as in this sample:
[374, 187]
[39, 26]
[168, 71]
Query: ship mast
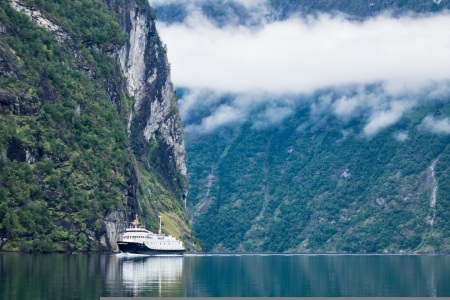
[159, 217]
[135, 222]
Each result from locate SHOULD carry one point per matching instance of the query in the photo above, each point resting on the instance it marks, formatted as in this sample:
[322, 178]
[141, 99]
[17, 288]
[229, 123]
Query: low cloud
[376, 70]
[436, 125]
[401, 136]
[252, 13]
[196, 104]
[378, 105]
[223, 116]
[247, 3]
[204, 111]
[272, 116]
[302, 55]
[385, 118]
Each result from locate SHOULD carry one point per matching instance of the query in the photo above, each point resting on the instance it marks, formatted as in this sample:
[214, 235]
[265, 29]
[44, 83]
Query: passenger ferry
[139, 240]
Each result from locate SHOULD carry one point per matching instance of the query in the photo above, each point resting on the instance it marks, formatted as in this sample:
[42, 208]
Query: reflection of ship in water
[151, 276]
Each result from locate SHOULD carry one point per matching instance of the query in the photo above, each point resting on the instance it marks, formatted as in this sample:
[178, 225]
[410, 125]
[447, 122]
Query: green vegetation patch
[309, 187]
[65, 157]
[87, 19]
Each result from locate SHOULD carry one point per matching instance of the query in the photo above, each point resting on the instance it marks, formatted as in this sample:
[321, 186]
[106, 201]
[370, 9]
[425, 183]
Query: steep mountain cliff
[90, 133]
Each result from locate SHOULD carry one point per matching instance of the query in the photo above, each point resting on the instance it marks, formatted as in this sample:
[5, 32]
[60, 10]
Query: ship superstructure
[142, 241]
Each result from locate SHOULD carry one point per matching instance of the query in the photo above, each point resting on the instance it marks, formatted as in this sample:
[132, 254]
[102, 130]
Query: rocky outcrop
[16, 102]
[144, 62]
[114, 224]
[41, 19]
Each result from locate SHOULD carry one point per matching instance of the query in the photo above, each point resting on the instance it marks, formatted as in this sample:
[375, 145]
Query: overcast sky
[405, 55]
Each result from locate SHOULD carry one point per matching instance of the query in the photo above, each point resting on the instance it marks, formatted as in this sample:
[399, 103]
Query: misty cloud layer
[204, 111]
[298, 55]
[377, 105]
[247, 3]
[376, 70]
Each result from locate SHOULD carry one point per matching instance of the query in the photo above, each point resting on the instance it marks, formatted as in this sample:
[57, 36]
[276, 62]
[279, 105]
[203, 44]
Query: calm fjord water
[90, 276]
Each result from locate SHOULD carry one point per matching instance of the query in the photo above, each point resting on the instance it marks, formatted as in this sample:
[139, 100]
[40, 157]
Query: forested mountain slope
[222, 12]
[89, 128]
[350, 168]
[306, 186]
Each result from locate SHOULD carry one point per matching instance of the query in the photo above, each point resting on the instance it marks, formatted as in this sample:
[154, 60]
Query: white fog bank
[300, 56]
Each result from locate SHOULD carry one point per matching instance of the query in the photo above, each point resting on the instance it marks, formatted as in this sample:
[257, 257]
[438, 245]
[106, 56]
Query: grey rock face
[114, 224]
[144, 62]
[41, 19]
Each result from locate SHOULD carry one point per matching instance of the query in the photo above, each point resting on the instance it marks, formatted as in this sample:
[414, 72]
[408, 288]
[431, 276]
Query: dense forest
[49, 121]
[68, 167]
[305, 186]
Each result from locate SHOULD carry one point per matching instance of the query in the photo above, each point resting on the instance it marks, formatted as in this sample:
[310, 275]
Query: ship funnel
[136, 222]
